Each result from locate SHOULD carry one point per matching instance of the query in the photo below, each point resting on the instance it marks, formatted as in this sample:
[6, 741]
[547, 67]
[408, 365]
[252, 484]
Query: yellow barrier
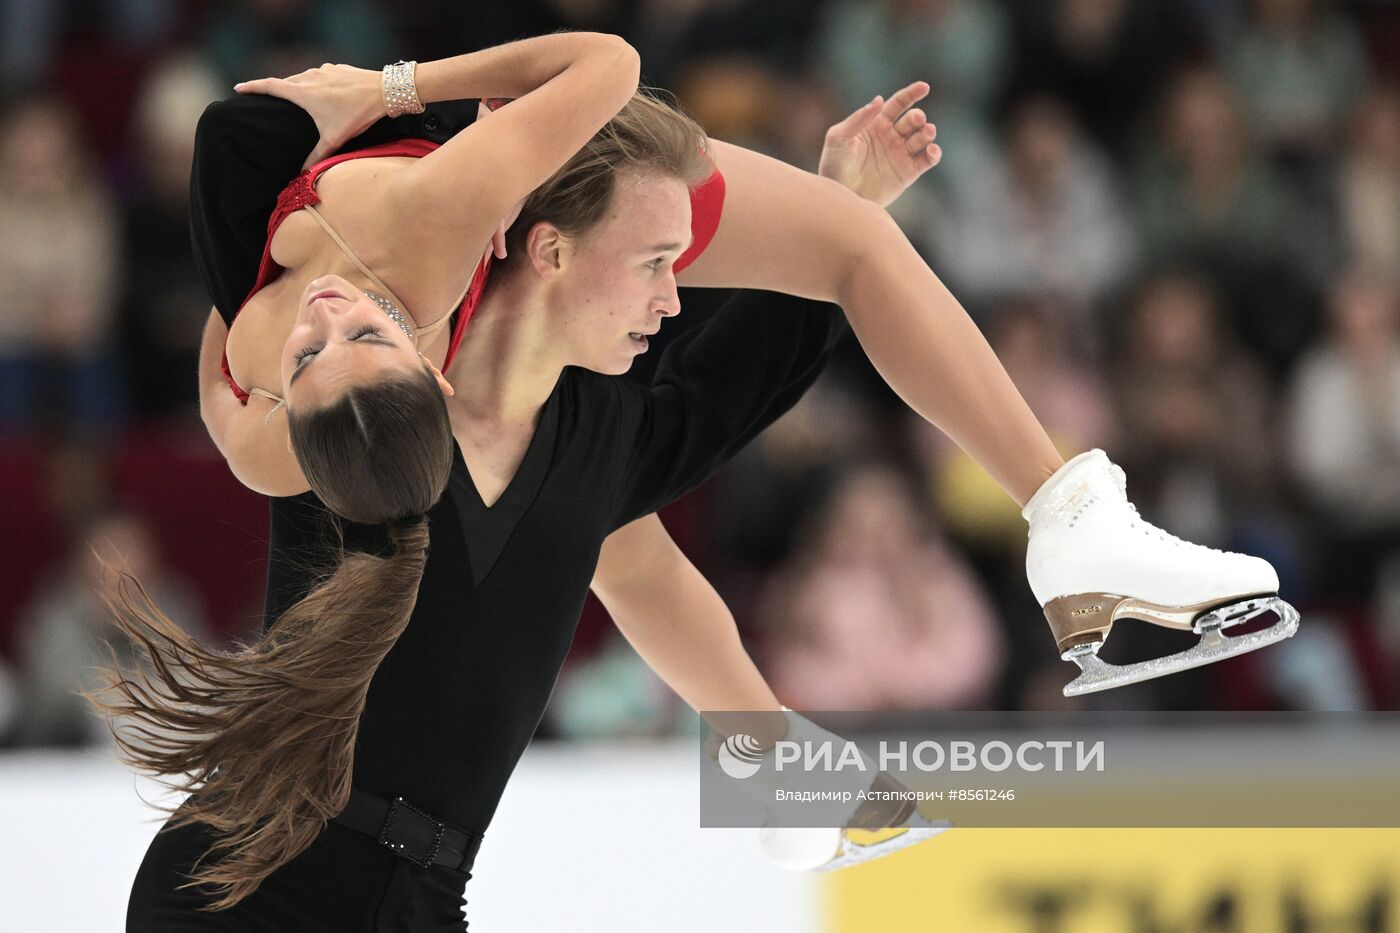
[1127, 881]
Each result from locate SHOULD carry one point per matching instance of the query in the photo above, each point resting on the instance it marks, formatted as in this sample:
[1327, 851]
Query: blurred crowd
[1177, 221]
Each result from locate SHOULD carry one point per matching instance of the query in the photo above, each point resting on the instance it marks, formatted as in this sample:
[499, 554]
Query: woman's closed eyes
[304, 352]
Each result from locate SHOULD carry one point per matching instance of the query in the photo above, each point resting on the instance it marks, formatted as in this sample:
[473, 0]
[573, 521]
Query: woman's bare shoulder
[421, 262]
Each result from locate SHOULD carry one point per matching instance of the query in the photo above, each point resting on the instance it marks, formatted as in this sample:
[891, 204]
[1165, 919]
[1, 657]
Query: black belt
[409, 832]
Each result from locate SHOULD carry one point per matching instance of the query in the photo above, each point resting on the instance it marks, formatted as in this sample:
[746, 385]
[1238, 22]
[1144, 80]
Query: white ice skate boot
[798, 849]
[1092, 560]
[896, 823]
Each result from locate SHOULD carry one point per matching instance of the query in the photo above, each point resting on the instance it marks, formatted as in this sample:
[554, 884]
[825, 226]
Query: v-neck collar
[487, 530]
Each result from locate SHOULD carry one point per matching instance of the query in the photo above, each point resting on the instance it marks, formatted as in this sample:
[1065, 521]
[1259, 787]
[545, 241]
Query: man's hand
[882, 148]
[343, 100]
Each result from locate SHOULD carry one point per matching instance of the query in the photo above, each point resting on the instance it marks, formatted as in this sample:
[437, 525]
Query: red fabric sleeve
[706, 205]
[228, 377]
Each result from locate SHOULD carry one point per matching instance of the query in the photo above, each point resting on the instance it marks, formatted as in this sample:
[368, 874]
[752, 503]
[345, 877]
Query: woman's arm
[261, 460]
[566, 87]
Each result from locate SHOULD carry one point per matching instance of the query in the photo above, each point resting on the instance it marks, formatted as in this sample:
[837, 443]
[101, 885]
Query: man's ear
[546, 246]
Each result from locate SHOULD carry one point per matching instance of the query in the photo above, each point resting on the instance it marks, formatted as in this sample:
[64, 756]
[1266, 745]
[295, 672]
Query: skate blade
[1225, 617]
[1097, 675]
[858, 853]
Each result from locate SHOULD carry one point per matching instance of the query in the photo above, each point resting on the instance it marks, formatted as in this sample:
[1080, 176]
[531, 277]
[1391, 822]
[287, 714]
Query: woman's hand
[882, 148]
[498, 238]
[497, 246]
[343, 100]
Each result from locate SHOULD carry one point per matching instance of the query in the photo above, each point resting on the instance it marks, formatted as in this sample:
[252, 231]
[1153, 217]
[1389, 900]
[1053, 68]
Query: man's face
[619, 279]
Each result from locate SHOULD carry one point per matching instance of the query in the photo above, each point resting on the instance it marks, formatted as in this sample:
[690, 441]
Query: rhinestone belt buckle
[406, 825]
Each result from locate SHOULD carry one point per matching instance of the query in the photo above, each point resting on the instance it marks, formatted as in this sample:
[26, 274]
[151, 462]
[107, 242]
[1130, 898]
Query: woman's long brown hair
[263, 739]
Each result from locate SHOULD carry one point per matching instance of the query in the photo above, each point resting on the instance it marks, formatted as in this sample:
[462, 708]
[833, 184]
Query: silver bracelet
[400, 91]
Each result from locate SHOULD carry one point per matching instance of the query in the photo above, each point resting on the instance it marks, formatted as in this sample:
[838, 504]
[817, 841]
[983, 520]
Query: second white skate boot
[800, 849]
[1092, 560]
[896, 822]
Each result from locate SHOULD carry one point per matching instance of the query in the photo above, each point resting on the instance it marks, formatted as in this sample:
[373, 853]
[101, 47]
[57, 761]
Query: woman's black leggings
[344, 882]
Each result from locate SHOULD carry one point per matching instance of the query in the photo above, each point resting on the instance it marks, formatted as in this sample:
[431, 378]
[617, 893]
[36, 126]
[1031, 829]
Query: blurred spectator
[874, 611]
[769, 487]
[671, 34]
[736, 98]
[1045, 218]
[1345, 433]
[58, 263]
[742, 100]
[66, 631]
[32, 30]
[1299, 68]
[1106, 59]
[1035, 341]
[77, 482]
[1200, 446]
[1369, 181]
[1209, 202]
[1204, 189]
[434, 29]
[806, 110]
[869, 47]
[275, 38]
[165, 305]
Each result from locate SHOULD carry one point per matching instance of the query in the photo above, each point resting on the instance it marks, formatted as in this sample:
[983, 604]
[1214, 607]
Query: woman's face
[616, 282]
[341, 339]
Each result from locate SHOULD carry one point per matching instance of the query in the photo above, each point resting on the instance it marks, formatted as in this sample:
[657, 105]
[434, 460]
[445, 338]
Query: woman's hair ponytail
[263, 738]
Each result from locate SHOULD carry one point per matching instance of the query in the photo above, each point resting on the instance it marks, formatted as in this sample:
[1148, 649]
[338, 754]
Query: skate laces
[1121, 480]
